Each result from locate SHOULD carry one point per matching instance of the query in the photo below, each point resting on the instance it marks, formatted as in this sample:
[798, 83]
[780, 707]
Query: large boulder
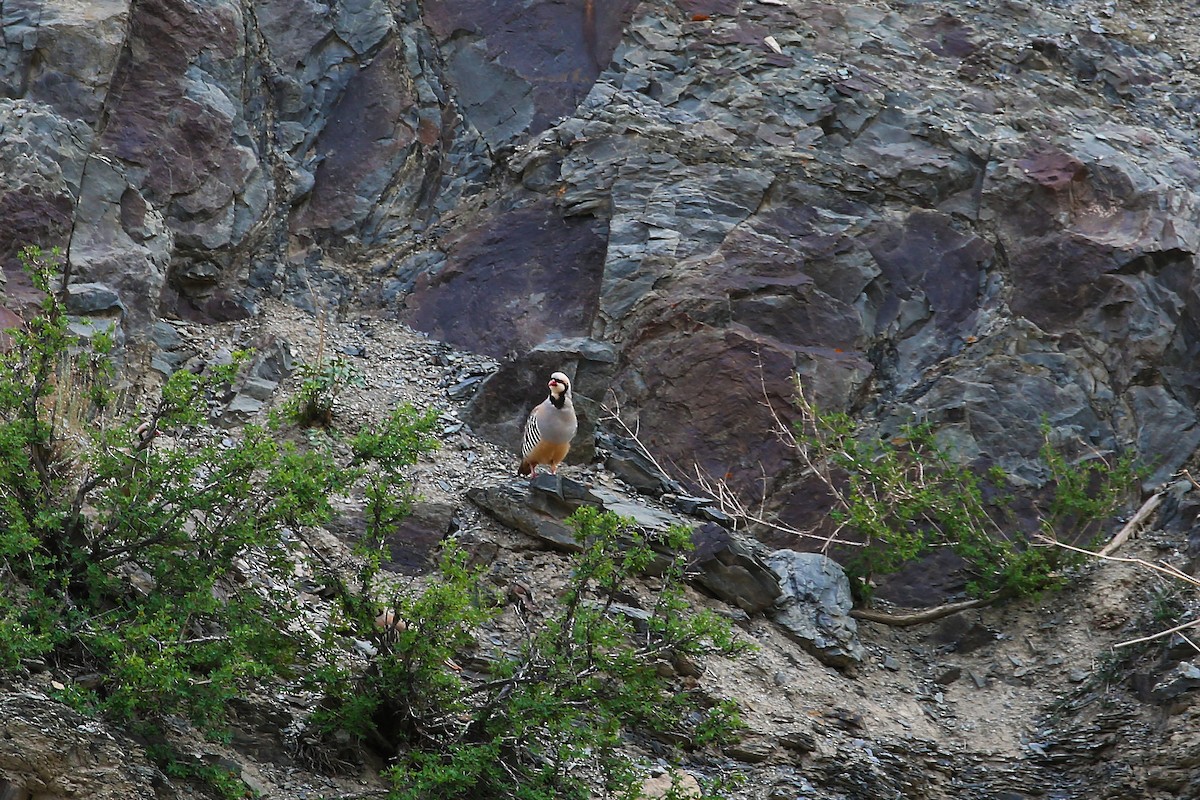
[48, 750]
[815, 607]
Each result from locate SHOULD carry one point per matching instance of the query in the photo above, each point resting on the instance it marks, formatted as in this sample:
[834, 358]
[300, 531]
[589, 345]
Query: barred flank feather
[532, 436]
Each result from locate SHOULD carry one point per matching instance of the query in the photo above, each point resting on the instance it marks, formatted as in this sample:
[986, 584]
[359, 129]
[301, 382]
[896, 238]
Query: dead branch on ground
[1135, 522]
[921, 616]
[1161, 567]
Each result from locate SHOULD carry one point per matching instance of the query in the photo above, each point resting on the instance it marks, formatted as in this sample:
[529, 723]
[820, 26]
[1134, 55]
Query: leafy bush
[143, 545]
[903, 496]
[549, 719]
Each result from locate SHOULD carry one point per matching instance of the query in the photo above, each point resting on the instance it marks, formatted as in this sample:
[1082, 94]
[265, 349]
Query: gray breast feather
[548, 424]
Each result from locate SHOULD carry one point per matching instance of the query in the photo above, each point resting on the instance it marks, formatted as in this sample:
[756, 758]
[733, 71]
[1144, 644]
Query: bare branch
[728, 502]
[1193, 624]
[1161, 567]
[615, 416]
[922, 616]
[718, 489]
[1135, 522]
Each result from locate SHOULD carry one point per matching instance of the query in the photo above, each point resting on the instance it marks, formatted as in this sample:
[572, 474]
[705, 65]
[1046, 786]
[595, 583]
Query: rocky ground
[1025, 700]
[964, 707]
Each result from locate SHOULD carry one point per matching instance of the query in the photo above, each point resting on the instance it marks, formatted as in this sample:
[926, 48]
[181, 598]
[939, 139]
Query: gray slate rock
[509, 505]
[412, 547]
[259, 388]
[1180, 680]
[815, 607]
[244, 405]
[41, 740]
[629, 462]
[92, 298]
[731, 569]
[580, 347]
[722, 563]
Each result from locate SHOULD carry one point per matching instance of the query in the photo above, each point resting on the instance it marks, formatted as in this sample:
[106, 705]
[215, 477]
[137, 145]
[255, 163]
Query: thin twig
[615, 416]
[728, 502]
[1193, 624]
[1163, 568]
[808, 410]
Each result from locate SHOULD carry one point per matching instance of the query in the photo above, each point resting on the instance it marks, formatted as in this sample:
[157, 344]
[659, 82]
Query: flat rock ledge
[724, 563]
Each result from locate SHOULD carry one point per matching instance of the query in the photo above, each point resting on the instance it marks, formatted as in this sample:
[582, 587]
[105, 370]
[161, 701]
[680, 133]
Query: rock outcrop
[985, 223]
[984, 220]
[724, 564]
[815, 607]
[47, 750]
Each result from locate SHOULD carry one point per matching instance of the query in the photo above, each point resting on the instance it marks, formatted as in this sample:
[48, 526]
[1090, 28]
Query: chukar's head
[559, 384]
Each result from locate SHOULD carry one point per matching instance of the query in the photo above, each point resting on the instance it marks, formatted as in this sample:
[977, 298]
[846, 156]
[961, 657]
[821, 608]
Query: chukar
[549, 429]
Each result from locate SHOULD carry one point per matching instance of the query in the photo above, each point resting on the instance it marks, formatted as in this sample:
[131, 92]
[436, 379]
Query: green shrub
[320, 386]
[409, 688]
[549, 719]
[903, 496]
[143, 544]
[1085, 491]
[145, 547]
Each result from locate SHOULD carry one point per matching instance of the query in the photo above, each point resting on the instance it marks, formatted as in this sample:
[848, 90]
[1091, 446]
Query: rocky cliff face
[983, 215]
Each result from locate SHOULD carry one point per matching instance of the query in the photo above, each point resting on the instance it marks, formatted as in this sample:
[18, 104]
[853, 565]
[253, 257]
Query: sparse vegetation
[156, 554]
[320, 386]
[902, 496]
[894, 500]
[548, 718]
